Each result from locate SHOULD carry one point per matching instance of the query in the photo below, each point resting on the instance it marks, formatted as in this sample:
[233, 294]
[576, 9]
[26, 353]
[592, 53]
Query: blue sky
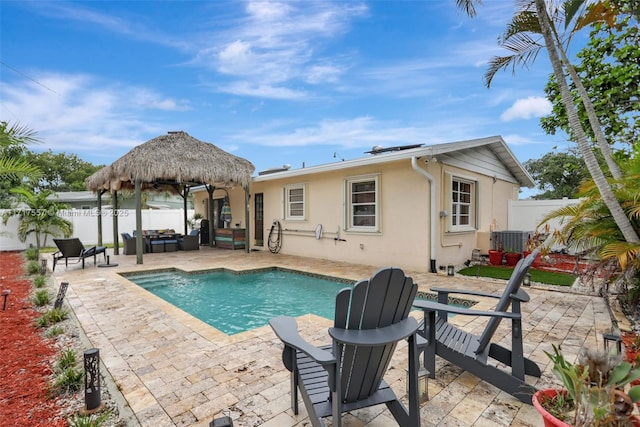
[273, 82]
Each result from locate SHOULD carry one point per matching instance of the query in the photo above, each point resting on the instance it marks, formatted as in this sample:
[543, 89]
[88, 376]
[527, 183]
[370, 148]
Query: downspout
[432, 201]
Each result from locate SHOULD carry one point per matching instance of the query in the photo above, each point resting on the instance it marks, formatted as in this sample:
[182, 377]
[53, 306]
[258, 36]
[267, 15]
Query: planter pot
[495, 257]
[551, 421]
[512, 258]
[548, 419]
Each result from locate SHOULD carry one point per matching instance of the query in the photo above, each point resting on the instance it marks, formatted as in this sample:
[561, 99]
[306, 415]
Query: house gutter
[432, 201]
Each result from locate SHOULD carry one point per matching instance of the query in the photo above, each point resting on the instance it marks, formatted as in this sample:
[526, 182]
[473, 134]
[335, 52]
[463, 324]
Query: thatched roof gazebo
[174, 162]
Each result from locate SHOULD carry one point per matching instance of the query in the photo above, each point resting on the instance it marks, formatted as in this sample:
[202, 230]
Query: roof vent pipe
[432, 208]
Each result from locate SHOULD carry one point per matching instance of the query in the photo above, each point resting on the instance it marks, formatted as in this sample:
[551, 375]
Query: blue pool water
[234, 303]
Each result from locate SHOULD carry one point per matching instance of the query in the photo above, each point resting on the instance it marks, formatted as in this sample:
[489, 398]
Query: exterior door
[258, 220]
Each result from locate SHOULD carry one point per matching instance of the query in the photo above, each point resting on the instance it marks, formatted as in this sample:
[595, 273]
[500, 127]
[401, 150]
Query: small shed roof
[173, 159]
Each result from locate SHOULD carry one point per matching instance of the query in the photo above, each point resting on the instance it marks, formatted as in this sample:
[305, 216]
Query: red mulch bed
[25, 354]
[561, 263]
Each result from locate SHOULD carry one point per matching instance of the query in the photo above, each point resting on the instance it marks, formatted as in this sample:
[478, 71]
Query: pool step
[148, 281]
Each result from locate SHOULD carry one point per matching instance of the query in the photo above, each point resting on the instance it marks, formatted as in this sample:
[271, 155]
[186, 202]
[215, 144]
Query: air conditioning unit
[514, 241]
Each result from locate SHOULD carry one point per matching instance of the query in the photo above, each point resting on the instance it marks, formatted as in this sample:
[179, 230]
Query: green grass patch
[538, 276]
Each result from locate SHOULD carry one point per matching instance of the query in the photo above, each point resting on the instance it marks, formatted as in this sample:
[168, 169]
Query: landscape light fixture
[92, 400]
[423, 384]
[608, 338]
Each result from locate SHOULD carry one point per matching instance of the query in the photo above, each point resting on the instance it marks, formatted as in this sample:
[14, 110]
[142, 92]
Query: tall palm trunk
[594, 121]
[589, 157]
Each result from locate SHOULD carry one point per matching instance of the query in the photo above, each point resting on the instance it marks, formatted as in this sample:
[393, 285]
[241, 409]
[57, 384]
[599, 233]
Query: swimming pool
[234, 303]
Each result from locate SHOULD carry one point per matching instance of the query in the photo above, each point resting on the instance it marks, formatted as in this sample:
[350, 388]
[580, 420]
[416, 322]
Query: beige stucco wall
[404, 238]
[236, 202]
[403, 234]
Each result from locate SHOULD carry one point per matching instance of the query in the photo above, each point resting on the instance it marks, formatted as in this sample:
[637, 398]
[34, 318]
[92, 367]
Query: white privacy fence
[85, 225]
[525, 215]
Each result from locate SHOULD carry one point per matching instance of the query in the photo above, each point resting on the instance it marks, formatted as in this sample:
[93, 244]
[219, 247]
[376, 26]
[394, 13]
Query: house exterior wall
[403, 229]
[491, 199]
[404, 238]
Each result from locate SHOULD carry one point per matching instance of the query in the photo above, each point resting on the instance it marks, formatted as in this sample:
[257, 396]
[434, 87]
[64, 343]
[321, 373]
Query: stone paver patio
[174, 370]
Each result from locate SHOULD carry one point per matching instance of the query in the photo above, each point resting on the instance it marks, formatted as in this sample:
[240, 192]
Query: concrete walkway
[174, 370]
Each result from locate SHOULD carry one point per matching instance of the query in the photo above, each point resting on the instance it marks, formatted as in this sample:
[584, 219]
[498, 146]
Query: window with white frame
[294, 201]
[463, 204]
[363, 203]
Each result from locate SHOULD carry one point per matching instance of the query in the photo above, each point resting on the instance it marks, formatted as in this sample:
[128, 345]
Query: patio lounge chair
[472, 352]
[73, 248]
[370, 320]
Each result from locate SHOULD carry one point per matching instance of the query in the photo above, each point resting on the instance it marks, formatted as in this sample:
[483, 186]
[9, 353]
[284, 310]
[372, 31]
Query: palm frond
[498, 63]
[571, 8]
[16, 134]
[17, 168]
[468, 6]
[625, 253]
[523, 22]
[599, 12]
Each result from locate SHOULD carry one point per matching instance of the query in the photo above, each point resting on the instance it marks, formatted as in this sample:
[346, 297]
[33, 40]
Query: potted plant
[512, 257]
[596, 391]
[495, 256]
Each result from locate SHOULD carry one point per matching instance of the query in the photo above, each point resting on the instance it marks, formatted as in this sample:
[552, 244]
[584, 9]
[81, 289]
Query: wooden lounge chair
[73, 248]
[370, 320]
[473, 352]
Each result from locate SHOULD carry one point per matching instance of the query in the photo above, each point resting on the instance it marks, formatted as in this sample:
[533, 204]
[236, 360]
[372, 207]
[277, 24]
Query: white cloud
[533, 106]
[356, 132]
[276, 43]
[246, 88]
[78, 112]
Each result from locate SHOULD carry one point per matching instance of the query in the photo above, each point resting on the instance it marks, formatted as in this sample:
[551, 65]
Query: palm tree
[15, 136]
[547, 28]
[533, 18]
[37, 215]
[589, 228]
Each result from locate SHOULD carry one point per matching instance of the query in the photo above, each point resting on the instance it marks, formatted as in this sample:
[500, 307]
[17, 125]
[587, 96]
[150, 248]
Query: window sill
[462, 231]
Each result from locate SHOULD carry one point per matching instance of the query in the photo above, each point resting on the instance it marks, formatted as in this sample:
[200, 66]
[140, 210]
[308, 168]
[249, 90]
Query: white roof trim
[496, 144]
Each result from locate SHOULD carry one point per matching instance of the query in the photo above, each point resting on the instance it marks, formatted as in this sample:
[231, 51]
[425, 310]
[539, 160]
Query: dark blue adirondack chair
[370, 320]
[473, 352]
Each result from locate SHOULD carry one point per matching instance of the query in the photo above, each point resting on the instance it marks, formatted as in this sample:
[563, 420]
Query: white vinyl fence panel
[85, 225]
[525, 215]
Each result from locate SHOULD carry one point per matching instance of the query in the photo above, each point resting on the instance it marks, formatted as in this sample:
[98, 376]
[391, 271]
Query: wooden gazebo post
[139, 236]
[116, 217]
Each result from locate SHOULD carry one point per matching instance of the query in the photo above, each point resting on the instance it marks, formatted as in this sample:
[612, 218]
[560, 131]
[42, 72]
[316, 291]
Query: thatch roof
[169, 160]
